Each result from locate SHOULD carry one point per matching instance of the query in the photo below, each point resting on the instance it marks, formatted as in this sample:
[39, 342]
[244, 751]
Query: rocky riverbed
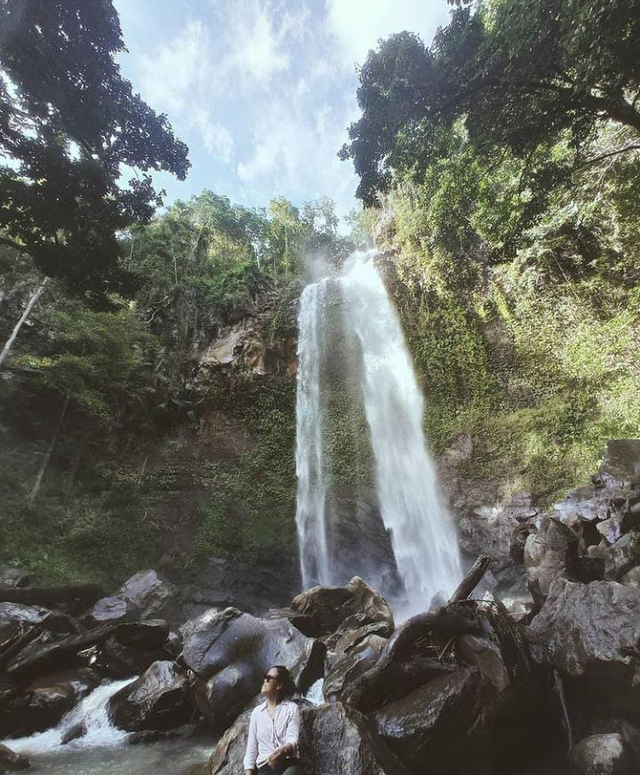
[478, 686]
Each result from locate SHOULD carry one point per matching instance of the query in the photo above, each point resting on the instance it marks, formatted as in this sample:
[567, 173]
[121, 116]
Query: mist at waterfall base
[350, 339]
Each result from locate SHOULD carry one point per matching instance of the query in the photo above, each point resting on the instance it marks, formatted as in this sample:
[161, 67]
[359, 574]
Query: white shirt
[267, 734]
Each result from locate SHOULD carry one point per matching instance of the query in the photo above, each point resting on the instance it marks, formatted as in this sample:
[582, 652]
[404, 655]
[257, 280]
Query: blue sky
[262, 91]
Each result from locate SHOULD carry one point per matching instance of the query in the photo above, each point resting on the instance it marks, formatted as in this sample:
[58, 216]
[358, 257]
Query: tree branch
[606, 156]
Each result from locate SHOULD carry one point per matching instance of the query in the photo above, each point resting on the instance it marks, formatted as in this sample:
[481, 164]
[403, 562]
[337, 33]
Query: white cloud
[171, 74]
[359, 24]
[255, 44]
[217, 139]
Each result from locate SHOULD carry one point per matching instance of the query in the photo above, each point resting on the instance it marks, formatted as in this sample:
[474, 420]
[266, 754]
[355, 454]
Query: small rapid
[92, 713]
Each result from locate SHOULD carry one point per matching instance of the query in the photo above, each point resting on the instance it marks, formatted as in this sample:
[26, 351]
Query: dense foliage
[69, 127]
[151, 445]
[518, 74]
[508, 152]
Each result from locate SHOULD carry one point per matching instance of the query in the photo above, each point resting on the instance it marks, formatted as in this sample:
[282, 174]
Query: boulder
[547, 556]
[498, 530]
[160, 699]
[111, 610]
[10, 761]
[44, 655]
[17, 619]
[591, 634]
[230, 652]
[153, 596]
[447, 726]
[333, 739]
[623, 556]
[320, 611]
[347, 665]
[115, 660]
[13, 577]
[150, 634]
[42, 703]
[602, 755]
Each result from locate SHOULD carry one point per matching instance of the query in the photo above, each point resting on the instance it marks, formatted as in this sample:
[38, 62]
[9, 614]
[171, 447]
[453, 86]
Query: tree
[519, 75]
[69, 127]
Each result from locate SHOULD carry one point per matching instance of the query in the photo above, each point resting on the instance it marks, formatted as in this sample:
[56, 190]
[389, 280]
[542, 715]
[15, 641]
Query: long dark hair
[287, 684]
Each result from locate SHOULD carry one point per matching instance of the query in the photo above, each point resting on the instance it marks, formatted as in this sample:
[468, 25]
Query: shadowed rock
[591, 633]
[160, 699]
[602, 755]
[230, 651]
[321, 610]
[333, 740]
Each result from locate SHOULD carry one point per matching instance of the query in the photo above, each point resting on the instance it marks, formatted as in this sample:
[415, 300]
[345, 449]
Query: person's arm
[290, 743]
[292, 733]
[251, 754]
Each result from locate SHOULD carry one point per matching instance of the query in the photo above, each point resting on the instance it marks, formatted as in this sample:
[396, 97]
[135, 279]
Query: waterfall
[311, 502]
[421, 531]
[92, 712]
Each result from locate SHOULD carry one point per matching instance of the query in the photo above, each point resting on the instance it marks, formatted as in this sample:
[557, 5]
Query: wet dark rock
[114, 660]
[345, 666]
[160, 699]
[351, 632]
[484, 654]
[112, 610]
[230, 651]
[173, 644]
[322, 610]
[333, 739]
[591, 632]
[44, 655]
[17, 619]
[10, 761]
[42, 703]
[74, 733]
[152, 736]
[602, 755]
[153, 596]
[150, 634]
[445, 726]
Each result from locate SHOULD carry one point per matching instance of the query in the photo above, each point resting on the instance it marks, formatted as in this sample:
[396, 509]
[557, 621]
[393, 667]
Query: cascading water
[311, 500]
[92, 713]
[422, 535]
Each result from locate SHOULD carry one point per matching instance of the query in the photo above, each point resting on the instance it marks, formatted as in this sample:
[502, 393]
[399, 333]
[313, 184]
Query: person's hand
[276, 755]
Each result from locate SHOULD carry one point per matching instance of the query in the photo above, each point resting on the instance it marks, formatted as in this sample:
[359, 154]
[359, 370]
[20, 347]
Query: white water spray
[311, 502]
[92, 713]
[422, 534]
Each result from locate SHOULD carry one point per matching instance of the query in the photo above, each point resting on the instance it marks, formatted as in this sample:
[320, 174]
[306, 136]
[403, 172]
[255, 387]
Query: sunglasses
[270, 677]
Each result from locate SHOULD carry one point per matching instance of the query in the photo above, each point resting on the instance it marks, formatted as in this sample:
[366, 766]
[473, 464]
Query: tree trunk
[471, 580]
[25, 315]
[45, 462]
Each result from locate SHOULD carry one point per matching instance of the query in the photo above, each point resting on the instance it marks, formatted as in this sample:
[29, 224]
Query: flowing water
[413, 512]
[102, 750]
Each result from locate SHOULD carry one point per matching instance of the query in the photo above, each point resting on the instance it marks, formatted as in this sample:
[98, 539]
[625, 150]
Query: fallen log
[414, 653]
[471, 580]
[82, 594]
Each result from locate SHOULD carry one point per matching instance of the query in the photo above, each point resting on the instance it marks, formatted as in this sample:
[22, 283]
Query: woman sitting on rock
[273, 729]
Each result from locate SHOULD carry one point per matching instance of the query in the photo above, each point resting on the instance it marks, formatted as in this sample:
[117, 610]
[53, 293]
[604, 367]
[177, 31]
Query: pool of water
[187, 756]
